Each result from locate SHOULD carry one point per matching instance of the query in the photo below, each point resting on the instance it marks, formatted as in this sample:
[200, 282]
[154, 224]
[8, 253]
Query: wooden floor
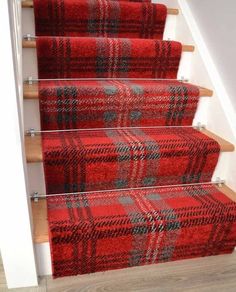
[217, 274]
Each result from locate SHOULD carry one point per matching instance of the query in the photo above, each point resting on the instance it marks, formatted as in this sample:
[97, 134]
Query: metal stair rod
[30, 80]
[29, 41]
[32, 132]
[219, 182]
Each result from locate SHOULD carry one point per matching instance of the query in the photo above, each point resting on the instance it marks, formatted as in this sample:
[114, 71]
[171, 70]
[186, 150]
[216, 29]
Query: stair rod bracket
[29, 37]
[35, 197]
[29, 80]
[183, 79]
[199, 126]
[31, 132]
[219, 182]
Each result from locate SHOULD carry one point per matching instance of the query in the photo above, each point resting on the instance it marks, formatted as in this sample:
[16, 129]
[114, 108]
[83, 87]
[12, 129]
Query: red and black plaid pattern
[90, 160]
[99, 18]
[116, 103]
[93, 232]
[75, 57]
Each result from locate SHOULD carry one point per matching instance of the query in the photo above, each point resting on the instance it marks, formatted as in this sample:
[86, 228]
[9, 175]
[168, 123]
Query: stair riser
[43, 257]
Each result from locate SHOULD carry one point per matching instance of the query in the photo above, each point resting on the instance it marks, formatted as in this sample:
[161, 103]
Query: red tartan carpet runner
[113, 230]
[116, 103]
[122, 130]
[100, 19]
[126, 158]
[82, 57]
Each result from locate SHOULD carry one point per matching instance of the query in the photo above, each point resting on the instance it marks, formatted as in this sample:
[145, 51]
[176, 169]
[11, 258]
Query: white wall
[16, 245]
[216, 20]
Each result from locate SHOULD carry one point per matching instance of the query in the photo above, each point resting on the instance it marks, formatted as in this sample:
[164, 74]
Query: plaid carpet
[113, 103]
[99, 19]
[74, 57]
[126, 158]
[110, 229]
[113, 230]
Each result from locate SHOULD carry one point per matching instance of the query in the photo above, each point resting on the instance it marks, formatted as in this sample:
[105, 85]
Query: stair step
[96, 19]
[31, 44]
[112, 103]
[33, 146]
[31, 91]
[39, 212]
[160, 61]
[30, 4]
[120, 229]
[105, 159]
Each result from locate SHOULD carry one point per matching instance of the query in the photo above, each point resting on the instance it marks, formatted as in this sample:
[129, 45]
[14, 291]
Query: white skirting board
[43, 257]
[17, 249]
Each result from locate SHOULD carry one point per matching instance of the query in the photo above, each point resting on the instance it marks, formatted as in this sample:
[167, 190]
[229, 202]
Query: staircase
[136, 166]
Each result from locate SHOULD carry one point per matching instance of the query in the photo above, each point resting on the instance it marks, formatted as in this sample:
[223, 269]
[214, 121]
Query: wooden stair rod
[30, 4]
[31, 91]
[30, 44]
[33, 146]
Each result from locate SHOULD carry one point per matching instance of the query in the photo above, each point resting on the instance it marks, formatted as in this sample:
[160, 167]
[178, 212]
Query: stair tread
[83, 63]
[39, 211]
[31, 44]
[33, 146]
[111, 103]
[110, 158]
[83, 18]
[30, 91]
[30, 4]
